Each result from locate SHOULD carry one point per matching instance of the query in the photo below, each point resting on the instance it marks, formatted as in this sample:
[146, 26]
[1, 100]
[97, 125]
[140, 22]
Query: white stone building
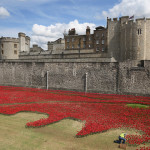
[11, 47]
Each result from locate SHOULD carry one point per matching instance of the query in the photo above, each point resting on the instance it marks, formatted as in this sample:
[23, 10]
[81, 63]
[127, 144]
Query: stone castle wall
[104, 77]
[134, 79]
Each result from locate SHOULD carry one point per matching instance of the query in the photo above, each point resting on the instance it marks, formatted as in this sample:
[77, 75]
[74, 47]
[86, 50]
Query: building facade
[100, 39]
[123, 39]
[96, 41]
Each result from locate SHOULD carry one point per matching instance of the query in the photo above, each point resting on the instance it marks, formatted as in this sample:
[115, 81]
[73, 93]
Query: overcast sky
[46, 20]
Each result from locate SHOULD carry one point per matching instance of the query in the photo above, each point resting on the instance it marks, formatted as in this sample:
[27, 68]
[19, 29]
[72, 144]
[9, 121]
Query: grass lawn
[56, 136]
[137, 106]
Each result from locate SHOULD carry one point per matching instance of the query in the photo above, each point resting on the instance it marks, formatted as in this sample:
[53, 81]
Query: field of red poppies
[100, 112]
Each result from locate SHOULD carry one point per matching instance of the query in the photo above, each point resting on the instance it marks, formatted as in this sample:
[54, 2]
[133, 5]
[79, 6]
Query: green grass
[137, 105]
[56, 136]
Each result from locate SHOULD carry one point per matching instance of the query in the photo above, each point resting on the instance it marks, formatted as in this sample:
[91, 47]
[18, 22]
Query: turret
[22, 47]
[27, 43]
[50, 46]
[24, 42]
[124, 19]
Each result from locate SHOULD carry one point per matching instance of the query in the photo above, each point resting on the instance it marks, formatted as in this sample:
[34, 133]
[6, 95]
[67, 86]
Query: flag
[132, 17]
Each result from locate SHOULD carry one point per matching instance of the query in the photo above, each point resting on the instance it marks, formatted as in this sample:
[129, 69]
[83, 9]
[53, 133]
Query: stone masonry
[129, 77]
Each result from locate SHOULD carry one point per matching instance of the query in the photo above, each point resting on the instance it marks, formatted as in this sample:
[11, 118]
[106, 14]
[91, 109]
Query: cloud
[3, 12]
[138, 8]
[42, 34]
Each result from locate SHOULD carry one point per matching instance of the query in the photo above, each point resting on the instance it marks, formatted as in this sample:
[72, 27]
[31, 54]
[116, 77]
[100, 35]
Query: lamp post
[79, 46]
[86, 75]
[47, 80]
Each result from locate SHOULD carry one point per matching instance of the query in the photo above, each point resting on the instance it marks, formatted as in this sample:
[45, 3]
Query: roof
[100, 28]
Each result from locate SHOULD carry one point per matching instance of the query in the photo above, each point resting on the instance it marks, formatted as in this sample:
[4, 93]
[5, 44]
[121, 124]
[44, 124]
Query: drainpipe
[47, 80]
[86, 74]
[117, 79]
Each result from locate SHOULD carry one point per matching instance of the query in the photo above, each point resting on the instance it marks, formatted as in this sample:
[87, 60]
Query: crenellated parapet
[9, 39]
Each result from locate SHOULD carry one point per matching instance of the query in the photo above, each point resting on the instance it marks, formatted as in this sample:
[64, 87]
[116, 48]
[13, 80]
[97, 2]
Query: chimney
[72, 31]
[88, 30]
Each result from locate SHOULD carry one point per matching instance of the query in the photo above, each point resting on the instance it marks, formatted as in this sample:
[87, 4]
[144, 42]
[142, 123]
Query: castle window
[84, 46]
[89, 45]
[97, 41]
[78, 45]
[97, 35]
[102, 34]
[2, 52]
[73, 46]
[2, 45]
[72, 39]
[15, 45]
[139, 31]
[103, 41]
[103, 49]
[67, 40]
[97, 49]
[15, 51]
[84, 39]
[89, 38]
[67, 46]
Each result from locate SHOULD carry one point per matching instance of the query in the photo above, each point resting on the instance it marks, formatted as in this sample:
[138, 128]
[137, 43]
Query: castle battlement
[140, 19]
[9, 39]
[21, 34]
[125, 20]
[27, 38]
[115, 19]
[118, 19]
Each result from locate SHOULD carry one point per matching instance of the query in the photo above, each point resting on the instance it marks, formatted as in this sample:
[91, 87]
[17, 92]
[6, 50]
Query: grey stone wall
[133, 78]
[68, 75]
[103, 77]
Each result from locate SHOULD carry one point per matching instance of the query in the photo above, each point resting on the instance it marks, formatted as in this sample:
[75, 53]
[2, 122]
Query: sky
[47, 20]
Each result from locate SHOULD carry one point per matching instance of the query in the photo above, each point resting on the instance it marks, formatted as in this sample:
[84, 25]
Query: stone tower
[9, 48]
[24, 42]
[128, 39]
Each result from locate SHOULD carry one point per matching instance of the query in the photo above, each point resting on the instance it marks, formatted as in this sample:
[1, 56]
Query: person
[122, 137]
